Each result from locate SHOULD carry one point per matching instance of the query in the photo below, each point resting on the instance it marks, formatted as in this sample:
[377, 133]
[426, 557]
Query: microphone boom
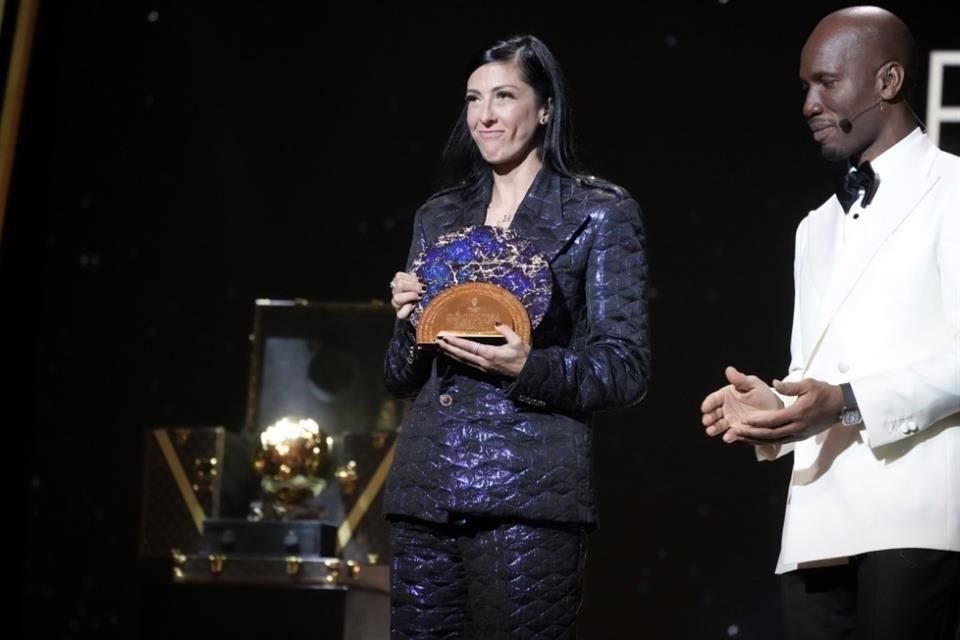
[847, 125]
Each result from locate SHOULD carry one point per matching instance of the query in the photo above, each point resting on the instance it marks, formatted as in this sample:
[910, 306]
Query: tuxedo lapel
[888, 211]
[823, 247]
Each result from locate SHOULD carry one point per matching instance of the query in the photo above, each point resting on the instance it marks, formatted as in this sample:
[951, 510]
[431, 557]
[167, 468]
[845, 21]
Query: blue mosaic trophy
[476, 277]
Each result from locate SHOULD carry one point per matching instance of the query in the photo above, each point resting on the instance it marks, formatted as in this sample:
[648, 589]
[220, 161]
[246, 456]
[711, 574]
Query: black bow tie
[857, 179]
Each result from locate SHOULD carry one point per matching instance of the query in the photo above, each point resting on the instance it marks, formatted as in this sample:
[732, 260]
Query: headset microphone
[847, 125]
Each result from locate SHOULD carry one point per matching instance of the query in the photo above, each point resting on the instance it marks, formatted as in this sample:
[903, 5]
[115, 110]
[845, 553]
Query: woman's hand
[507, 359]
[407, 291]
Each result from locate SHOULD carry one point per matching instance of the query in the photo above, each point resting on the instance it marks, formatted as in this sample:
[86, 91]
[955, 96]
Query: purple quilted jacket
[484, 445]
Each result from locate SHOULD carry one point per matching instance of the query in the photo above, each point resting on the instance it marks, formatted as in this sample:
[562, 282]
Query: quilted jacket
[478, 444]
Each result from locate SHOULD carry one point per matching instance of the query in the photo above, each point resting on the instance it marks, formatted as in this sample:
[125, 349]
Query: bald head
[871, 36]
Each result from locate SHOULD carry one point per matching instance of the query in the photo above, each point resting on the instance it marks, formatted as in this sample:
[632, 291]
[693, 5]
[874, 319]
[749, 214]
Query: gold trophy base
[471, 310]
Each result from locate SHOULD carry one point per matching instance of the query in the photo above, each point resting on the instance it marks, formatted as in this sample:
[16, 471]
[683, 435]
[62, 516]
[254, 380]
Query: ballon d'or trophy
[291, 459]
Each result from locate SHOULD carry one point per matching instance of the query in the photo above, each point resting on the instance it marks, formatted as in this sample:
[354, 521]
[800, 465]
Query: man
[871, 406]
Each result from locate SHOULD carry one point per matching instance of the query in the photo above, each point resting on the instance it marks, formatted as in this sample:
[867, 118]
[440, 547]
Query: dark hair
[462, 162]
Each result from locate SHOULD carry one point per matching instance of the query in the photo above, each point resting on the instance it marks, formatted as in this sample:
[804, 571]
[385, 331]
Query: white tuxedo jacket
[877, 304]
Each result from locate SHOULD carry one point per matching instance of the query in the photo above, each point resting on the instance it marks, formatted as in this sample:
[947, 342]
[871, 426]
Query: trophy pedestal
[297, 537]
[249, 597]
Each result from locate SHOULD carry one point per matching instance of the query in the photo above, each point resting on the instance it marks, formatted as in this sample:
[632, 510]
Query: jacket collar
[549, 214]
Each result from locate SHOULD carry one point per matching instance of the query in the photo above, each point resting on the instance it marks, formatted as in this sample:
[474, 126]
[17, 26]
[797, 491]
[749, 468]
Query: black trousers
[486, 580]
[898, 594]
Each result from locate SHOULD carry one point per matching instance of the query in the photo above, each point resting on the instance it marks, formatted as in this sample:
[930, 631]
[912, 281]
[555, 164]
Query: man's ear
[890, 81]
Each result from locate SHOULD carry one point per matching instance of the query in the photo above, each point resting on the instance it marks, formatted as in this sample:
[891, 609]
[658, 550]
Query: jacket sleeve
[903, 402]
[613, 368]
[407, 367]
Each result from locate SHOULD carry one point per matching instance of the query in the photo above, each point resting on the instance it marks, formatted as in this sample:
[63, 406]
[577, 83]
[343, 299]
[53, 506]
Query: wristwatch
[850, 413]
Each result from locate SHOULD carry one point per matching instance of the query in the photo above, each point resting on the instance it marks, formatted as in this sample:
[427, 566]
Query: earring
[543, 119]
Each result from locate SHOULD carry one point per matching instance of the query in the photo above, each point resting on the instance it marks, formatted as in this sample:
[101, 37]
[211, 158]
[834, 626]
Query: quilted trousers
[483, 579]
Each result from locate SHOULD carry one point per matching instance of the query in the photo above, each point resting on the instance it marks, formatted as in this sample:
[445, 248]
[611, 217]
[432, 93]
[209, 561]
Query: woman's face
[503, 113]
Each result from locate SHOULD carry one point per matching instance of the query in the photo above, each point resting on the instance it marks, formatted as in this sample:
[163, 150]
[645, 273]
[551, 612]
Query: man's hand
[817, 407]
[729, 406]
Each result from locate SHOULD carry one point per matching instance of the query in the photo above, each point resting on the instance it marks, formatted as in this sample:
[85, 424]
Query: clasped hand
[748, 410]
[506, 359]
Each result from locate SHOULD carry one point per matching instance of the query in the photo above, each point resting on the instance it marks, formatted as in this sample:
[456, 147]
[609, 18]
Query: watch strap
[849, 399]
[850, 413]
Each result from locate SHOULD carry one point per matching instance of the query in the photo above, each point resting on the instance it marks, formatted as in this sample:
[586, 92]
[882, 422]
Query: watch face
[850, 417]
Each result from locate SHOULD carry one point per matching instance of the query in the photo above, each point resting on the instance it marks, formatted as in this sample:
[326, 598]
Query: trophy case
[289, 505]
[323, 362]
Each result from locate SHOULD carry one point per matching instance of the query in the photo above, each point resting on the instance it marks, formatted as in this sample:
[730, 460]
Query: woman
[491, 492]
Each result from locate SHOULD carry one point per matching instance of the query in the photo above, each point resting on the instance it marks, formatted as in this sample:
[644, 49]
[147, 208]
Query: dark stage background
[178, 160]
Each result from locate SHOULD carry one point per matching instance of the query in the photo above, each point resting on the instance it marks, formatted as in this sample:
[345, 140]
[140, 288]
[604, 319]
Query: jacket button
[445, 399]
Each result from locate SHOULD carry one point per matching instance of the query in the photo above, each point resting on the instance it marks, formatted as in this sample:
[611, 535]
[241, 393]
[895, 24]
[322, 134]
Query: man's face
[839, 84]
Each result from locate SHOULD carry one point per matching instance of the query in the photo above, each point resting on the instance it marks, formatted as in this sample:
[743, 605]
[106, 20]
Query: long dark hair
[462, 162]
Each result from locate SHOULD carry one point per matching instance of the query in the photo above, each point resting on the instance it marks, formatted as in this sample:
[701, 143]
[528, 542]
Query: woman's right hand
[407, 291]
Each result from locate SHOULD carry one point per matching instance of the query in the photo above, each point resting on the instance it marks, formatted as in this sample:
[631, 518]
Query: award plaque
[471, 310]
[477, 276]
